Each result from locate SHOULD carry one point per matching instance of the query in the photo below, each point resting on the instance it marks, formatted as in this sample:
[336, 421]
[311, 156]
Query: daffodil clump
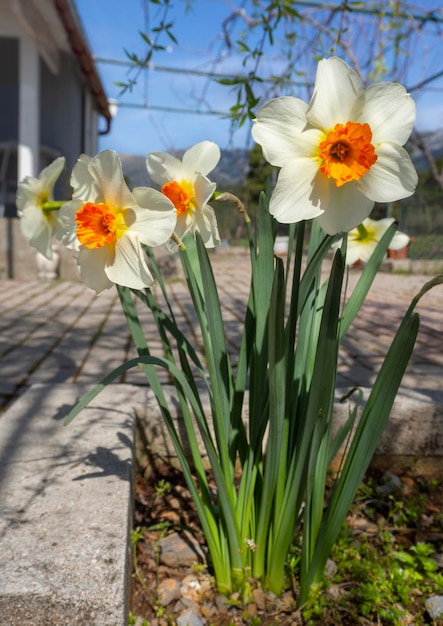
[337, 155]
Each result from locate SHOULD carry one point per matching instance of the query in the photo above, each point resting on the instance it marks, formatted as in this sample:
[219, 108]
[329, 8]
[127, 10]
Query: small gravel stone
[434, 607]
[221, 602]
[180, 551]
[189, 618]
[331, 568]
[168, 590]
[391, 484]
[259, 597]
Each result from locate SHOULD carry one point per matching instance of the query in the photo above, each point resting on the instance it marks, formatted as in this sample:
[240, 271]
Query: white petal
[129, 267]
[292, 200]
[83, 184]
[392, 177]
[163, 167]
[184, 224]
[56, 224]
[390, 112]
[346, 208]
[155, 216]
[91, 264]
[338, 95]
[37, 230]
[49, 175]
[378, 226]
[367, 250]
[399, 241]
[203, 158]
[106, 169]
[28, 194]
[203, 190]
[206, 224]
[278, 127]
[67, 216]
[352, 254]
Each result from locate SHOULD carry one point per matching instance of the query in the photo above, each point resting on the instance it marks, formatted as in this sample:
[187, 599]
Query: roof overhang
[80, 47]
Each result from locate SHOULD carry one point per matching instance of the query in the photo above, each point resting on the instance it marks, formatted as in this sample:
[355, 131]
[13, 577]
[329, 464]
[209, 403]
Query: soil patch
[399, 511]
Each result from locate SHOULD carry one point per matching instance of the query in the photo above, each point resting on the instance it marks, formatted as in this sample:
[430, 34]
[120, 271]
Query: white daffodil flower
[341, 153]
[363, 240]
[107, 224]
[186, 184]
[39, 220]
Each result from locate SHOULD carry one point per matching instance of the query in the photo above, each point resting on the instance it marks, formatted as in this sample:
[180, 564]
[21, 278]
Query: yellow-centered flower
[341, 153]
[38, 221]
[363, 240]
[186, 185]
[107, 224]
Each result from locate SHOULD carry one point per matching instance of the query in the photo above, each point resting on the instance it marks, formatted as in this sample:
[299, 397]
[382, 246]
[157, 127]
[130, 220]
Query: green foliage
[378, 577]
[132, 620]
[379, 582]
[162, 487]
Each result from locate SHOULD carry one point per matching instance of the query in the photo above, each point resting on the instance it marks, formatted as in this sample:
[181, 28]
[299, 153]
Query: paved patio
[67, 493]
[61, 332]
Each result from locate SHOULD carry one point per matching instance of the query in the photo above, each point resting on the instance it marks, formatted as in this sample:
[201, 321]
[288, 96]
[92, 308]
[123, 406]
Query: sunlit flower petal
[108, 225]
[341, 153]
[38, 230]
[294, 187]
[106, 170]
[186, 185]
[392, 177]
[345, 205]
[37, 224]
[203, 157]
[91, 265]
[152, 225]
[129, 267]
[83, 184]
[164, 167]
[338, 95]
[390, 112]
[282, 121]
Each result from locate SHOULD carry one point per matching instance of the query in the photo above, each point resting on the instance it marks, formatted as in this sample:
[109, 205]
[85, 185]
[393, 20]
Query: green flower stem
[54, 205]
[362, 231]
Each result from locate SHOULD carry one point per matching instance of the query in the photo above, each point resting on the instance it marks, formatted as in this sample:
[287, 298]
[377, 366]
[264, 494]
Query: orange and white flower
[39, 221]
[107, 224]
[185, 182]
[363, 240]
[341, 153]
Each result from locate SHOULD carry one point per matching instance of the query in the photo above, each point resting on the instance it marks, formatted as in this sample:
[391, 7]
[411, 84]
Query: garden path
[61, 332]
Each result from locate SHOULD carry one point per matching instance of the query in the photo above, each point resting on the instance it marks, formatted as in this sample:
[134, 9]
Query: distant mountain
[230, 171]
[233, 165]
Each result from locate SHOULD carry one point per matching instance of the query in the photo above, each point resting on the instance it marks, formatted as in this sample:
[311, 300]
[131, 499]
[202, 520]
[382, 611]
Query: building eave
[80, 47]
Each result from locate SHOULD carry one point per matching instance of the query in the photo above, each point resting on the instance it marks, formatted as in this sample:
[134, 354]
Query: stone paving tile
[62, 332]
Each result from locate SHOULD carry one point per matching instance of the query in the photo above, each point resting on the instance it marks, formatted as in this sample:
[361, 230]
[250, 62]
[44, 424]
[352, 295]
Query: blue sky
[112, 26]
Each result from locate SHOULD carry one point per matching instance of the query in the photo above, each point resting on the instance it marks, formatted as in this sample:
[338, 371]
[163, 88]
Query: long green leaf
[366, 279]
[277, 400]
[371, 425]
